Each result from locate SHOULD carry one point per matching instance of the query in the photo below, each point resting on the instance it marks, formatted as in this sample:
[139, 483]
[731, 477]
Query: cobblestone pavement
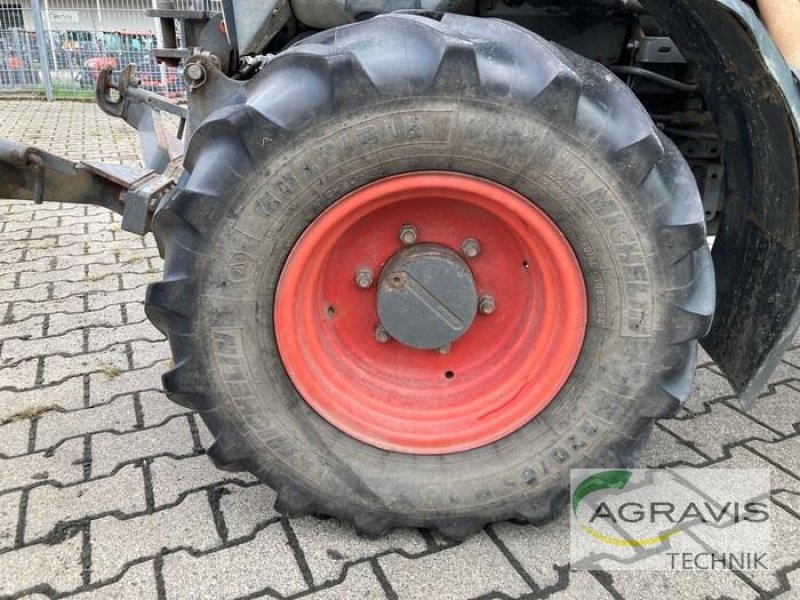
[105, 490]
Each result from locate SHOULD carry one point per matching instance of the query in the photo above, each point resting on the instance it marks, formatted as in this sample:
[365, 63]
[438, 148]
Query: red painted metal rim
[502, 373]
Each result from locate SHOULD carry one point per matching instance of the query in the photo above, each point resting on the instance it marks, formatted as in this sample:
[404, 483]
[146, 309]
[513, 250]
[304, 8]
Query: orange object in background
[782, 18]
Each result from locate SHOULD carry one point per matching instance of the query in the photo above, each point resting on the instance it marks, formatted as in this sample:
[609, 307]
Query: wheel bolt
[408, 234]
[486, 305]
[471, 247]
[364, 278]
[195, 72]
[445, 349]
[381, 335]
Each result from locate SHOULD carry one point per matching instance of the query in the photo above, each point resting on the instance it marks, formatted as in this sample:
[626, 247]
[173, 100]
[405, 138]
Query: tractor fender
[755, 99]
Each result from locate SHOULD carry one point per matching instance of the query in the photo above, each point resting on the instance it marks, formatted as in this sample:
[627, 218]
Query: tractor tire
[590, 238]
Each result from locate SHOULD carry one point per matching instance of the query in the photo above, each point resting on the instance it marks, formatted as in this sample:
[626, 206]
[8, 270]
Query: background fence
[78, 38]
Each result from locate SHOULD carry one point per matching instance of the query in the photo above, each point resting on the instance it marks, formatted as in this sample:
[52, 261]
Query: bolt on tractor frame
[720, 111]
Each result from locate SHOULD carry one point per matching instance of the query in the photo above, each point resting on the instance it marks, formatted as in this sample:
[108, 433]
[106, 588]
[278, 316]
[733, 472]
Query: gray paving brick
[17, 350]
[664, 449]
[23, 226]
[110, 449]
[62, 465]
[110, 362]
[102, 389]
[79, 238]
[146, 353]
[265, 562]
[31, 307]
[20, 375]
[530, 545]
[111, 316]
[48, 505]
[39, 265]
[102, 337]
[10, 257]
[792, 356]
[784, 548]
[66, 259]
[785, 371]
[137, 280]
[794, 586]
[135, 310]
[682, 584]
[97, 301]
[720, 427]
[67, 229]
[15, 437]
[116, 542]
[708, 385]
[157, 408]
[8, 281]
[468, 570]
[780, 410]
[66, 395]
[745, 458]
[138, 582]
[361, 583]
[135, 266]
[245, 508]
[329, 544]
[173, 477]
[31, 278]
[785, 453]
[582, 586]
[56, 565]
[206, 437]
[105, 285]
[9, 518]
[28, 328]
[790, 500]
[118, 415]
[36, 293]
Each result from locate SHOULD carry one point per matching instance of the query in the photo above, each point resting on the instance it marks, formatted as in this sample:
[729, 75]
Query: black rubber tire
[402, 93]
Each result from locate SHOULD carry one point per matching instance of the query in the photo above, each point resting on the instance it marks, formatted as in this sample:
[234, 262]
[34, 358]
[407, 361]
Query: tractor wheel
[427, 267]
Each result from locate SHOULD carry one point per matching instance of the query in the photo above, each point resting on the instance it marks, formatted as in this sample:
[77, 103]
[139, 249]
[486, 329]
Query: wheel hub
[426, 296]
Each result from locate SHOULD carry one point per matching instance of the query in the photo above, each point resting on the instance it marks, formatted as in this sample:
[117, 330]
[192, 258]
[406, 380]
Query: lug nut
[381, 335]
[364, 278]
[486, 305]
[471, 247]
[408, 234]
[445, 349]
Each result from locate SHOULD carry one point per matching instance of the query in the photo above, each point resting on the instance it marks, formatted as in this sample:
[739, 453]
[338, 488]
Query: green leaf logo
[599, 481]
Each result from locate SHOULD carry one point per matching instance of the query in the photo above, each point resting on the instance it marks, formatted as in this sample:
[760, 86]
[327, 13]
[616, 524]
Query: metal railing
[56, 48]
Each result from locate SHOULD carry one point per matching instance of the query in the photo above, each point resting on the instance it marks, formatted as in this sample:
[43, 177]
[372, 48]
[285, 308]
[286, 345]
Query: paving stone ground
[106, 492]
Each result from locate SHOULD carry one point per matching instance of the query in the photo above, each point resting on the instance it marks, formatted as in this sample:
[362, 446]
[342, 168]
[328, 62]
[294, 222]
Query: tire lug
[445, 349]
[486, 305]
[408, 234]
[471, 248]
[381, 335]
[364, 278]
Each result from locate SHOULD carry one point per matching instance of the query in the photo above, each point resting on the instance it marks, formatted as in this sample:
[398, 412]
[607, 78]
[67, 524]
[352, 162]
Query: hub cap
[472, 327]
[426, 296]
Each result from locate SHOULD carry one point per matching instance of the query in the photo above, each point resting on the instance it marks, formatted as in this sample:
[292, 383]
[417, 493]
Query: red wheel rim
[505, 369]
